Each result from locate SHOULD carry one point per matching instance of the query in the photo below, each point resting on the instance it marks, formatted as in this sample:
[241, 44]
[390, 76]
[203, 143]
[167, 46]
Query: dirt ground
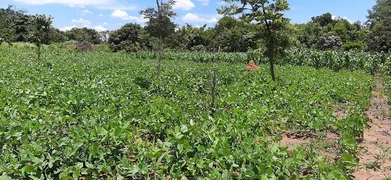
[375, 155]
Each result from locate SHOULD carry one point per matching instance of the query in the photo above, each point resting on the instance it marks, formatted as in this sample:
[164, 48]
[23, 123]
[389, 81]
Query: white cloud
[100, 4]
[82, 21]
[99, 28]
[213, 20]
[338, 17]
[184, 5]
[86, 11]
[204, 2]
[194, 18]
[66, 2]
[67, 28]
[124, 16]
[100, 15]
[222, 3]
[105, 23]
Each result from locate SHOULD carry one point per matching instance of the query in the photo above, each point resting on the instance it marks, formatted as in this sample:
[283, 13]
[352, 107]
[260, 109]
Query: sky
[112, 14]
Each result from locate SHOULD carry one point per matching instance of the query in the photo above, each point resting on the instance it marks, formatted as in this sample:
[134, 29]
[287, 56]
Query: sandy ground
[375, 163]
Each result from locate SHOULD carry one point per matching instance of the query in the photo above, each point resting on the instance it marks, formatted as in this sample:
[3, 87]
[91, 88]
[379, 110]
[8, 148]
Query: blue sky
[112, 14]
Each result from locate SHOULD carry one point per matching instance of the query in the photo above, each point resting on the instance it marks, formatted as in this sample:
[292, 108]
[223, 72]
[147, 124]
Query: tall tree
[84, 35]
[7, 27]
[268, 15]
[128, 38]
[197, 39]
[233, 35]
[379, 20]
[41, 33]
[57, 35]
[324, 19]
[159, 24]
[14, 25]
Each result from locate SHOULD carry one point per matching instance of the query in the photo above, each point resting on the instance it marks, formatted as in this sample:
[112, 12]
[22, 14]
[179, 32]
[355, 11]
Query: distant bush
[353, 46]
[102, 47]
[129, 38]
[70, 42]
[330, 41]
[63, 46]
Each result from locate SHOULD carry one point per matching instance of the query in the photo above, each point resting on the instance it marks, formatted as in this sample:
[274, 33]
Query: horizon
[113, 14]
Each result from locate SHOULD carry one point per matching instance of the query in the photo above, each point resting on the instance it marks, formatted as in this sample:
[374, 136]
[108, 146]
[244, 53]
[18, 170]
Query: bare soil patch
[375, 156]
[294, 139]
[341, 111]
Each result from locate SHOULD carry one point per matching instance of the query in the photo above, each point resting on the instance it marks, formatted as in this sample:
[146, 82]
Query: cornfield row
[352, 61]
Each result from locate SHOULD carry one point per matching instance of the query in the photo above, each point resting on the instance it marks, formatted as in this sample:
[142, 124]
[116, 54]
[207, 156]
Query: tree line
[231, 34]
[261, 25]
[18, 26]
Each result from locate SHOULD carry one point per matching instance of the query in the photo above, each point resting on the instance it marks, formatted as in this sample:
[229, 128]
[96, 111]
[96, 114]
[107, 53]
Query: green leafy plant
[104, 115]
[41, 33]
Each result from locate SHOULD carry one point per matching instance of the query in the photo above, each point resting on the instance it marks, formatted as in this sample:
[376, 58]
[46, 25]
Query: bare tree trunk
[160, 56]
[39, 55]
[159, 59]
[212, 104]
[271, 61]
[213, 94]
[270, 45]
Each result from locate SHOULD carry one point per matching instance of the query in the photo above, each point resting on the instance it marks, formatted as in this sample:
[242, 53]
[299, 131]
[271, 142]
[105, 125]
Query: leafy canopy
[159, 20]
[379, 20]
[41, 33]
[268, 15]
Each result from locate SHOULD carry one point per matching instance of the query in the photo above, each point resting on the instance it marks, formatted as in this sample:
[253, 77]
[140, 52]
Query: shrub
[330, 41]
[353, 46]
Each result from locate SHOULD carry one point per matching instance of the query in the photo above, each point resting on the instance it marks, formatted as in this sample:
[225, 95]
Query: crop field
[105, 115]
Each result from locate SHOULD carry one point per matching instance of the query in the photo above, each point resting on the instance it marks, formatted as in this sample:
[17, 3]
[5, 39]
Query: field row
[353, 60]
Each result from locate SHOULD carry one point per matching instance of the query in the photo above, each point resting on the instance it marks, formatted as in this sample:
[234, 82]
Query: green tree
[268, 15]
[84, 35]
[57, 35]
[22, 27]
[324, 19]
[14, 25]
[7, 28]
[159, 24]
[197, 39]
[341, 29]
[330, 41]
[311, 33]
[379, 20]
[178, 40]
[41, 33]
[129, 38]
[234, 35]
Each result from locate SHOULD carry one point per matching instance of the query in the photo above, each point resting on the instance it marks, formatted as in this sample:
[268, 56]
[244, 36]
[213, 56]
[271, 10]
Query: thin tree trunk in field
[159, 59]
[271, 62]
[160, 55]
[212, 104]
[39, 56]
[214, 81]
[270, 46]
